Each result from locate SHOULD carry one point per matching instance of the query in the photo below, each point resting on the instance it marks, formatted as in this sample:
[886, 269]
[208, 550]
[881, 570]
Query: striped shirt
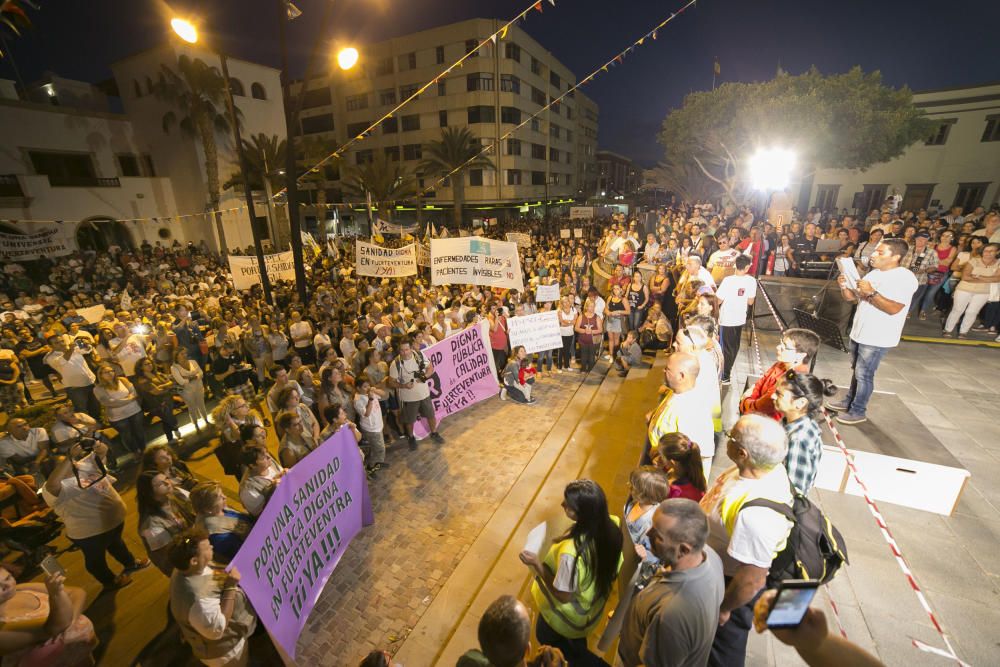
[805, 446]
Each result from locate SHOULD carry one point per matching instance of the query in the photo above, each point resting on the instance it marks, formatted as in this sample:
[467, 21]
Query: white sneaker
[503, 394]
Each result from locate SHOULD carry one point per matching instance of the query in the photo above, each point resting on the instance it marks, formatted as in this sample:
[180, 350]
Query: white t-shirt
[206, 617]
[301, 332]
[129, 354]
[30, 446]
[74, 371]
[373, 422]
[402, 370]
[87, 511]
[571, 316]
[735, 292]
[875, 327]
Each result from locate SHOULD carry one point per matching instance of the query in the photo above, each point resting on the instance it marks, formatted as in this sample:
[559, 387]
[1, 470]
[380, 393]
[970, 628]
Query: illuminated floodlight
[185, 30]
[771, 168]
[347, 57]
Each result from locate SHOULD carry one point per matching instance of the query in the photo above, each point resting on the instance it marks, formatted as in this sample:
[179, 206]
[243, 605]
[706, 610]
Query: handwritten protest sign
[476, 261]
[93, 314]
[545, 293]
[423, 254]
[374, 260]
[564, 233]
[522, 240]
[311, 517]
[577, 233]
[246, 273]
[537, 333]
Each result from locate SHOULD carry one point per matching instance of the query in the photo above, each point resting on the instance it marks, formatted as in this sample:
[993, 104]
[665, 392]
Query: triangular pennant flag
[538, 5]
[605, 68]
[618, 58]
[654, 34]
[493, 38]
[503, 33]
[641, 40]
[552, 2]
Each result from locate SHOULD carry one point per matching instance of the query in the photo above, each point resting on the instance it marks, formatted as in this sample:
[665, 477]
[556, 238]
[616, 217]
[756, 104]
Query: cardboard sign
[374, 260]
[537, 333]
[246, 272]
[546, 293]
[522, 240]
[476, 261]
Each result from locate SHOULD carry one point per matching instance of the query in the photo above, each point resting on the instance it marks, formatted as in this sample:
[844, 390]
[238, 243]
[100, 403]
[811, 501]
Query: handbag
[935, 278]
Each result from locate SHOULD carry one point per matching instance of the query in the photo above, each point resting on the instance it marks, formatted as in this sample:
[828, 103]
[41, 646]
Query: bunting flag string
[617, 58]
[491, 39]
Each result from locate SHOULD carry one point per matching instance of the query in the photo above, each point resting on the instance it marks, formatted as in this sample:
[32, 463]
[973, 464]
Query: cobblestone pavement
[429, 506]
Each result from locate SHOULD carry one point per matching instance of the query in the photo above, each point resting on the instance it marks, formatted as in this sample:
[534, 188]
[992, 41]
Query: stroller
[27, 525]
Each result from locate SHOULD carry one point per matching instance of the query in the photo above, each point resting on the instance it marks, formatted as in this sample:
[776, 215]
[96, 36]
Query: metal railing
[83, 182]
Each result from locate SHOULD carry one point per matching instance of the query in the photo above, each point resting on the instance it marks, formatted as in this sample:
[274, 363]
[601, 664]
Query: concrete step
[599, 435]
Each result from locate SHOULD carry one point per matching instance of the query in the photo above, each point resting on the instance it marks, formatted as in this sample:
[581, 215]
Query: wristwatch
[871, 297]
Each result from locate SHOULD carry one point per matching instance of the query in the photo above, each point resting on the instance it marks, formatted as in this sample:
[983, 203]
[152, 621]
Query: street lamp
[189, 33]
[771, 169]
[347, 57]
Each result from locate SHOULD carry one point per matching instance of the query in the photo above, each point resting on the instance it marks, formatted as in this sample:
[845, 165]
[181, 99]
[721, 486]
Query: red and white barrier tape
[883, 527]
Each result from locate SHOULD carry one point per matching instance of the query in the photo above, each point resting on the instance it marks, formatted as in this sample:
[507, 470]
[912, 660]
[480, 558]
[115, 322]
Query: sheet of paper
[536, 538]
[849, 271]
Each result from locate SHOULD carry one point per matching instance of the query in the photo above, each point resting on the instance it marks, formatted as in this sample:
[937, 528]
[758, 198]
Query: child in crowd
[796, 351]
[629, 353]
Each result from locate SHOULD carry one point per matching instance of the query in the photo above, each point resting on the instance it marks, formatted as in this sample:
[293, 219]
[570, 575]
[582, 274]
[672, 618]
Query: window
[569, 134]
[512, 51]
[236, 86]
[356, 102]
[442, 89]
[387, 97]
[513, 177]
[316, 98]
[536, 125]
[510, 115]
[406, 91]
[555, 80]
[554, 179]
[538, 151]
[321, 123]
[443, 118]
[470, 46]
[392, 153]
[555, 106]
[390, 125]
[538, 178]
[257, 91]
[411, 122]
[510, 83]
[147, 163]
[569, 113]
[553, 155]
[383, 66]
[475, 177]
[479, 81]
[439, 55]
[354, 129]
[513, 147]
[554, 130]
[970, 195]
[826, 197]
[569, 179]
[482, 114]
[940, 135]
[569, 158]
[407, 61]
[128, 165]
[537, 96]
[916, 197]
[64, 169]
[992, 131]
[536, 66]
[364, 156]
[413, 152]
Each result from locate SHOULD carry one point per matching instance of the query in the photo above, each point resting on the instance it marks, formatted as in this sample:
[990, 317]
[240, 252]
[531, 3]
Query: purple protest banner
[464, 374]
[295, 544]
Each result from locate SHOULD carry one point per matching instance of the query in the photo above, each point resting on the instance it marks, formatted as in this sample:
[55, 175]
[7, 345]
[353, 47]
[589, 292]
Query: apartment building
[617, 175]
[551, 158]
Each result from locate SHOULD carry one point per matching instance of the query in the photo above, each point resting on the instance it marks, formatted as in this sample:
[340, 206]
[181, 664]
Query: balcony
[65, 181]
[11, 192]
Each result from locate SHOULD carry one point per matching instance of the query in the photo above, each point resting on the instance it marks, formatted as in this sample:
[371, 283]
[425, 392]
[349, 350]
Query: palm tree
[264, 155]
[15, 19]
[385, 180]
[197, 91]
[310, 151]
[457, 149]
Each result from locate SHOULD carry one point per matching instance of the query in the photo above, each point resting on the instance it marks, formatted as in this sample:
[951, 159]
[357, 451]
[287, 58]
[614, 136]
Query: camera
[419, 376]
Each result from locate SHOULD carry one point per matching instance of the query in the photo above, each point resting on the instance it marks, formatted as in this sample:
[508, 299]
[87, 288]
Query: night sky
[921, 43]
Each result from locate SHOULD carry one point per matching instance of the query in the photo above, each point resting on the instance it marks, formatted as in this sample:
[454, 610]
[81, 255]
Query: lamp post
[189, 33]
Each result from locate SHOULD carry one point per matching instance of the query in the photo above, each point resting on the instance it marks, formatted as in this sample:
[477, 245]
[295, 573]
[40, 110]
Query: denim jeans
[864, 360]
[94, 549]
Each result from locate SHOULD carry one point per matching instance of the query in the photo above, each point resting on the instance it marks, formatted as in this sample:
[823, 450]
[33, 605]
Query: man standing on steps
[883, 298]
[735, 294]
[682, 410]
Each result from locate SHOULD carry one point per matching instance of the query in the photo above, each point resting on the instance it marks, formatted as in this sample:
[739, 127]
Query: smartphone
[791, 603]
[51, 566]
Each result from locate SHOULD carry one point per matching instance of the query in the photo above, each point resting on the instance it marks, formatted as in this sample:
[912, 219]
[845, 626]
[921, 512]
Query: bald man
[682, 410]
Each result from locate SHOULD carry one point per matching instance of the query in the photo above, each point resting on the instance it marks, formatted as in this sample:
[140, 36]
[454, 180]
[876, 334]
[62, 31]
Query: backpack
[815, 548]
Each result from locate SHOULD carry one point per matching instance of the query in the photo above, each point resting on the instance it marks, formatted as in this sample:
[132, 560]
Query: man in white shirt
[990, 229]
[408, 374]
[23, 447]
[68, 361]
[211, 611]
[127, 349]
[301, 332]
[722, 262]
[736, 293]
[883, 298]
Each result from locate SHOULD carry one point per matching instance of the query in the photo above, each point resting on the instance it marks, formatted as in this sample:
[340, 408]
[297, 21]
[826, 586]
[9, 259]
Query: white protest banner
[54, 241]
[536, 333]
[476, 261]
[564, 233]
[546, 293]
[522, 240]
[93, 314]
[380, 226]
[581, 212]
[578, 232]
[423, 254]
[246, 273]
[374, 260]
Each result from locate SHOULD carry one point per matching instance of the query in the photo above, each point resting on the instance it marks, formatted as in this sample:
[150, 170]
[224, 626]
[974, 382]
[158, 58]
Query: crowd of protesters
[175, 337]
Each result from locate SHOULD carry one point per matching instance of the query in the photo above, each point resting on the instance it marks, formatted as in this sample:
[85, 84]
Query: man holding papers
[883, 297]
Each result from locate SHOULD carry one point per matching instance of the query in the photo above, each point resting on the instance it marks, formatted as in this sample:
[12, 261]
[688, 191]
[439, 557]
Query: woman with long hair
[156, 395]
[681, 460]
[334, 389]
[567, 316]
[638, 300]
[289, 400]
[187, 375]
[574, 580]
[616, 315]
[120, 401]
[588, 327]
[518, 378]
[162, 459]
[799, 397]
[261, 474]
[229, 415]
[163, 513]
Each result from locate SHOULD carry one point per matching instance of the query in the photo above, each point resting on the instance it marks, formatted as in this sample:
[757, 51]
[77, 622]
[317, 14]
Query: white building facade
[958, 165]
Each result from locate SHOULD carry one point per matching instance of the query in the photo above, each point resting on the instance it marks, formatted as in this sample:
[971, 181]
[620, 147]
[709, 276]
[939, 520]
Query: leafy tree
[458, 149]
[846, 121]
[311, 150]
[386, 181]
[196, 90]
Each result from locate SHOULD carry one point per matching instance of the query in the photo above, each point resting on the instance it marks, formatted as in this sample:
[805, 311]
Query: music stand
[827, 330]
